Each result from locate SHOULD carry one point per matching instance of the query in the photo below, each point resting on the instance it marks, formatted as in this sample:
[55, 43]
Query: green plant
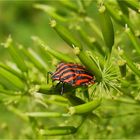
[109, 51]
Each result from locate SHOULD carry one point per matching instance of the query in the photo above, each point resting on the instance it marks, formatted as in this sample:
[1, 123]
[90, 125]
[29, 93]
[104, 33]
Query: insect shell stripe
[84, 75]
[82, 81]
[69, 76]
[66, 67]
[71, 66]
[60, 65]
[72, 73]
[70, 80]
[76, 70]
[73, 77]
[77, 80]
[80, 77]
[61, 68]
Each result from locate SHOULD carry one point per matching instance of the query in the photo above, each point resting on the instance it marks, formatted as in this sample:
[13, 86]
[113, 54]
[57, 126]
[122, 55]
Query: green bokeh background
[21, 20]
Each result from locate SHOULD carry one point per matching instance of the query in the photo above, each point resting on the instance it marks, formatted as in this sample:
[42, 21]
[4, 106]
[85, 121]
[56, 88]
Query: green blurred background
[21, 20]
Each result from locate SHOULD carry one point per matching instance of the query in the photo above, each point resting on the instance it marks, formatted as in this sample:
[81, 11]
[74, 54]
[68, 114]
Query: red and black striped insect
[72, 74]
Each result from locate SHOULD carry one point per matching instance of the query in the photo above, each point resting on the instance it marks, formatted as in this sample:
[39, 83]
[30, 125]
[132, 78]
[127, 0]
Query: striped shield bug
[72, 74]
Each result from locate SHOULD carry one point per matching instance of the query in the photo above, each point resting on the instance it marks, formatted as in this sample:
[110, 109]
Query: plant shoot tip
[53, 23]
[71, 110]
[76, 50]
[102, 9]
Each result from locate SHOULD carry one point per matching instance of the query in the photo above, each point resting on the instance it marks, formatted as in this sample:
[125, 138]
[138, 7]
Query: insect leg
[62, 89]
[58, 84]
